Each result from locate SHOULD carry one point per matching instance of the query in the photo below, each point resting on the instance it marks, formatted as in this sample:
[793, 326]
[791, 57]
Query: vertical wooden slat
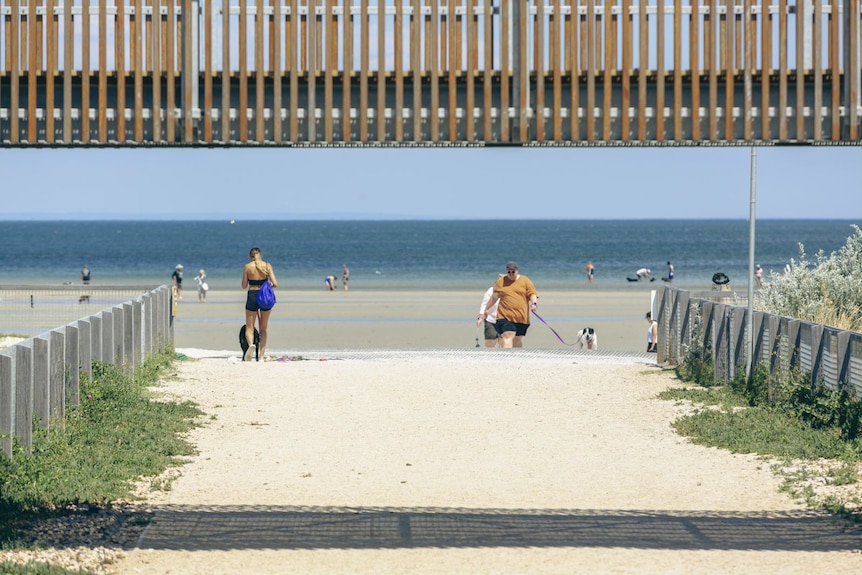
[329, 70]
[381, 70]
[677, 70]
[818, 70]
[800, 73]
[591, 70]
[452, 67]
[694, 65]
[505, 70]
[50, 69]
[488, 52]
[272, 24]
[524, 80]
[169, 36]
[120, 69]
[556, 64]
[363, 71]
[208, 72]
[835, 70]
[765, 68]
[748, 66]
[607, 78]
[660, 72]
[68, 65]
[540, 72]
[225, 71]
[103, 72]
[259, 88]
[852, 70]
[137, 64]
[14, 71]
[416, 66]
[626, 72]
[33, 66]
[782, 70]
[277, 70]
[242, 37]
[311, 47]
[434, 71]
[574, 70]
[738, 37]
[398, 112]
[643, 67]
[156, 51]
[712, 64]
[728, 41]
[348, 71]
[292, 49]
[472, 55]
[148, 35]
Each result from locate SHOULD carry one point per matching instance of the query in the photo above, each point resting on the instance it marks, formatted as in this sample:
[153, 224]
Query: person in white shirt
[490, 320]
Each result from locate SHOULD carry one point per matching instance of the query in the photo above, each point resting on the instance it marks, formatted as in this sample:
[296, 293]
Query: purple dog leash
[552, 329]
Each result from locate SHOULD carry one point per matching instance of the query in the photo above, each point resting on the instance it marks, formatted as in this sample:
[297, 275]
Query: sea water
[408, 255]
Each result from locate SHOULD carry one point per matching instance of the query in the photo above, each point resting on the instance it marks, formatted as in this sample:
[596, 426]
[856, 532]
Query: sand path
[466, 462]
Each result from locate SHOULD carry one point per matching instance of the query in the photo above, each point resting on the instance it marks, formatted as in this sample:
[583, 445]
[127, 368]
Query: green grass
[725, 418]
[120, 433]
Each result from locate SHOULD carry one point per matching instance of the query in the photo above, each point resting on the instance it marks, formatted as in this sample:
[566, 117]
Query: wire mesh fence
[30, 310]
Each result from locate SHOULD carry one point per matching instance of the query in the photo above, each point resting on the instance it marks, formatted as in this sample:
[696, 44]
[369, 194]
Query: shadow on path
[256, 527]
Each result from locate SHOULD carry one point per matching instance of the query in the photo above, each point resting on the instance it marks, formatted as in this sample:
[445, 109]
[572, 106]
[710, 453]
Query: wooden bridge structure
[429, 72]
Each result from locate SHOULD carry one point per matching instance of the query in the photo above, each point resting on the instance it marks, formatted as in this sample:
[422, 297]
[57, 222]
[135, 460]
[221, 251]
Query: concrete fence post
[72, 368]
[41, 381]
[24, 393]
[119, 353]
[96, 337]
[107, 336]
[57, 343]
[85, 346]
[7, 402]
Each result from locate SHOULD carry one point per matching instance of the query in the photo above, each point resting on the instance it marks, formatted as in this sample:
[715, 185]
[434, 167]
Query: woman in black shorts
[255, 272]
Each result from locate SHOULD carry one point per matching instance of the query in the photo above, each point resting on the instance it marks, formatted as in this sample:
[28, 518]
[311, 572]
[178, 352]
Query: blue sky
[491, 183]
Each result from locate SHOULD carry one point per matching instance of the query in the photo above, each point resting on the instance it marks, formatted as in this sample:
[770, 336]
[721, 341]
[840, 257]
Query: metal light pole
[751, 218]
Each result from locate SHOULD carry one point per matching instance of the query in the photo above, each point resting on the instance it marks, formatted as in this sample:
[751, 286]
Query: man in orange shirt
[517, 297]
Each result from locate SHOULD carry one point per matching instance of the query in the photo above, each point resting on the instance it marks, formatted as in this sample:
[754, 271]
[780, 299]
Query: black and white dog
[589, 338]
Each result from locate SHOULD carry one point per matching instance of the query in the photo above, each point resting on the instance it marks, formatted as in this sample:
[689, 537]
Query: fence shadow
[193, 528]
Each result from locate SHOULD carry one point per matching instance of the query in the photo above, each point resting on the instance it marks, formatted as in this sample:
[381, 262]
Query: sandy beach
[466, 462]
[445, 319]
[383, 441]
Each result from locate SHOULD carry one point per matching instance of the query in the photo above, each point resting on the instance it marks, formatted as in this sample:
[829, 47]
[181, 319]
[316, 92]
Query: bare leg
[517, 341]
[506, 339]
[250, 317]
[263, 323]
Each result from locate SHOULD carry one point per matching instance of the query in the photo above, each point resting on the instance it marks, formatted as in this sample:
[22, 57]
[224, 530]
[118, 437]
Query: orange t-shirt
[514, 297]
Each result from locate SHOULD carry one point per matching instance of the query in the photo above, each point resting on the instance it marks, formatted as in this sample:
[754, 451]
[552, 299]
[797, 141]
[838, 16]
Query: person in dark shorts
[345, 275]
[254, 274]
[517, 297]
[489, 320]
[177, 278]
[85, 275]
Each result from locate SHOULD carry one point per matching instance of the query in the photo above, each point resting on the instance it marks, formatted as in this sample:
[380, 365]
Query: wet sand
[405, 320]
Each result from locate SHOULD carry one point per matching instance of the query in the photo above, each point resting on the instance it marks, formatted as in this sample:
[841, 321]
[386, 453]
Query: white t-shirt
[492, 313]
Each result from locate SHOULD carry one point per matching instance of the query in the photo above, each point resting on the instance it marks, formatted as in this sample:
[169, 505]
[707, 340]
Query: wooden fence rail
[828, 354]
[40, 377]
[439, 71]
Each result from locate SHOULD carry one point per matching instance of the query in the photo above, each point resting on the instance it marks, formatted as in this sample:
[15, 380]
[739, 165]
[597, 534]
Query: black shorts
[251, 301]
[504, 325]
[490, 331]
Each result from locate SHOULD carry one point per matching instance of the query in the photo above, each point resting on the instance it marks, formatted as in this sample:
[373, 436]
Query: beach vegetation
[812, 432]
[827, 291]
[121, 432]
